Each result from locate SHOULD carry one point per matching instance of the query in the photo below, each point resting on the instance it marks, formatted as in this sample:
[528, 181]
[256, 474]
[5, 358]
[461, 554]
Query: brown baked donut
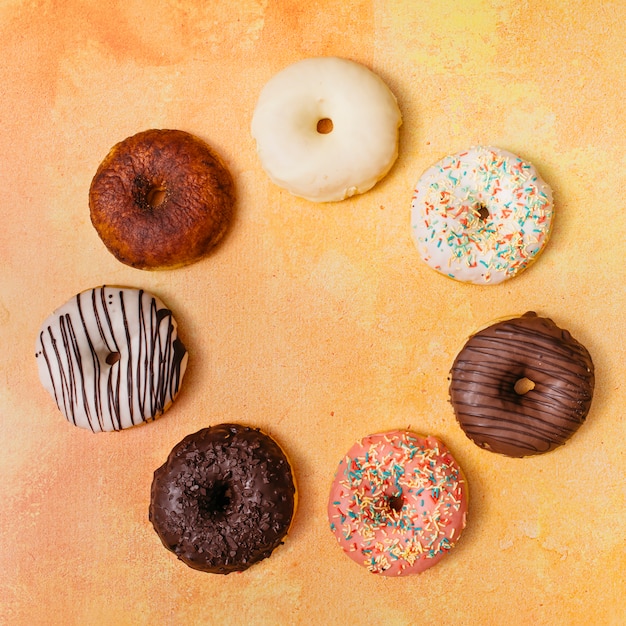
[522, 386]
[161, 199]
[224, 499]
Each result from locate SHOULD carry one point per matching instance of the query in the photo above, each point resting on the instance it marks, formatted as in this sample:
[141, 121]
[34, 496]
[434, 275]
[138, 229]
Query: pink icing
[398, 503]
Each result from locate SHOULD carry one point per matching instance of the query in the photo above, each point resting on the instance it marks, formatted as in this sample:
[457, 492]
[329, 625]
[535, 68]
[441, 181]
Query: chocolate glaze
[224, 499]
[484, 375]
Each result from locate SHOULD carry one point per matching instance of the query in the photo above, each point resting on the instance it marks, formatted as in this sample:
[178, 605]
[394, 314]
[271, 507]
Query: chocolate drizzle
[224, 499]
[486, 371]
[111, 358]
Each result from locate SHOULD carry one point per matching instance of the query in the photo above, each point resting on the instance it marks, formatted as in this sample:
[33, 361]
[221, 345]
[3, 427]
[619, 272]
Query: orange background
[317, 323]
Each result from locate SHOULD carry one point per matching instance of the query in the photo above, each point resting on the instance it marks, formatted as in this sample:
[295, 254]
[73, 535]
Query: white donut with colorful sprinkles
[398, 503]
[481, 216]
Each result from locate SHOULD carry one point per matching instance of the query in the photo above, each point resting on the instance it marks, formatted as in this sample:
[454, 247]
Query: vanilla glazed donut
[481, 216]
[224, 499]
[326, 128]
[161, 199]
[521, 386]
[111, 358]
[398, 503]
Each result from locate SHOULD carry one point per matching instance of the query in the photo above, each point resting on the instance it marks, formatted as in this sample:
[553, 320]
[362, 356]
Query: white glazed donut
[326, 128]
[481, 216]
[111, 358]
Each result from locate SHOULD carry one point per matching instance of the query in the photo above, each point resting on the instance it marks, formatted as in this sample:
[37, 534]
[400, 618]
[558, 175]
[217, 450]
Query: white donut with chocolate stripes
[111, 358]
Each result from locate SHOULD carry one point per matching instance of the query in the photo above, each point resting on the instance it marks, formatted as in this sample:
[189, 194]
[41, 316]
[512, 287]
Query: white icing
[481, 216]
[351, 158]
[111, 358]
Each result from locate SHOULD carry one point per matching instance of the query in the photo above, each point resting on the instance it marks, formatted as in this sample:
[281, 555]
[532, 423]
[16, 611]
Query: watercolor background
[317, 323]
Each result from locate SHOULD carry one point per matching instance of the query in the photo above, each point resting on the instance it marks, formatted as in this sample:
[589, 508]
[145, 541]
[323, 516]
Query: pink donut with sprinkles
[481, 216]
[398, 503]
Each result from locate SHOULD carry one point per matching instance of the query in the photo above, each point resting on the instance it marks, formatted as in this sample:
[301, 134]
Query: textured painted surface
[318, 324]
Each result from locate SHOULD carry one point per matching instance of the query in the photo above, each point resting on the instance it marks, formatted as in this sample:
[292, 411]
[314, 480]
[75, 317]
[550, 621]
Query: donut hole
[112, 358]
[148, 193]
[483, 212]
[523, 386]
[325, 126]
[214, 500]
[395, 502]
[155, 196]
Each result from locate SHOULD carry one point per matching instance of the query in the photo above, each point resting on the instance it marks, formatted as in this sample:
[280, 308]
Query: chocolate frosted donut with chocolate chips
[224, 499]
[522, 386]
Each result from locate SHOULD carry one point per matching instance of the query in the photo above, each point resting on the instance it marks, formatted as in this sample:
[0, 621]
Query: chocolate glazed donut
[522, 386]
[224, 499]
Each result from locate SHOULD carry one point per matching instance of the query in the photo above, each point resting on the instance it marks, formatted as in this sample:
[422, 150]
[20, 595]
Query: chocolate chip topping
[224, 499]
[522, 386]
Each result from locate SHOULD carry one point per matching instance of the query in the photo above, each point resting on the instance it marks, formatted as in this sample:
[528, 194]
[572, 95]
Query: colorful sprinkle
[489, 215]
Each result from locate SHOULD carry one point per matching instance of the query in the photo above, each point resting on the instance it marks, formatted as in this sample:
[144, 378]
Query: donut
[398, 503]
[326, 128]
[161, 199]
[111, 358]
[224, 499]
[481, 216]
[522, 386]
